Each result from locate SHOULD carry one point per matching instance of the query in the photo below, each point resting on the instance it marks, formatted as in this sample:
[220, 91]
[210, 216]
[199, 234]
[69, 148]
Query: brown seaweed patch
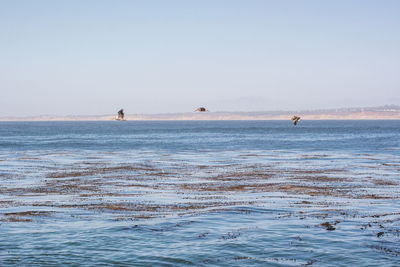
[204, 197]
[109, 194]
[111, 207]
[69, 174]
[328, 226]
[15, 219]
[322, 179]
[254, 174]
[386, 250]
[231, 235]
[302, 188]
[137, 185]
[136, 217]
[384, 182]
[28, 158]
[311, 262]
[373, 196]
[304, 202]
[143, 217]
[238, 258]
[202, 167]
[297, 171]
[249, 155]
[225, 187]
[29, 213]
[312, 190]
[147, 207]
[21, 216]
[62, 189]
[381, 215]
[100, 170]
[160, 173]
[391, 164]
[6, 203]
[203, 235]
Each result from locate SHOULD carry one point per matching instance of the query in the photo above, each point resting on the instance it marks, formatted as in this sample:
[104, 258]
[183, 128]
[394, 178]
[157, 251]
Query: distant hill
[387, 112]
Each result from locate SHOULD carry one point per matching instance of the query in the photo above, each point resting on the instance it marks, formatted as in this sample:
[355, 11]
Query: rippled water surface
[203, 193]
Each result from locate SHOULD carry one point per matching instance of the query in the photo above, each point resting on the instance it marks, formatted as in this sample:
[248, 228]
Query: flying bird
[295, 119]
[201, 109]
[121, 115]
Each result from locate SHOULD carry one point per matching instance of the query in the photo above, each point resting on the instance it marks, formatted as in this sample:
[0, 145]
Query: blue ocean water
[200, 193]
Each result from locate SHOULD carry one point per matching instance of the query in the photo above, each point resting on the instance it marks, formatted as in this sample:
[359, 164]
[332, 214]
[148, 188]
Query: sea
[200, 193]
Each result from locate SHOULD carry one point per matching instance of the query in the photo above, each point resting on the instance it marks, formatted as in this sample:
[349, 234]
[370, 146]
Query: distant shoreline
[214, 117]
[388, 112]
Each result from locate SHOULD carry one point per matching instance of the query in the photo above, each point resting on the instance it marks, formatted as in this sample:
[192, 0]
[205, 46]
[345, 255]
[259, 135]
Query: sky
[93, 57]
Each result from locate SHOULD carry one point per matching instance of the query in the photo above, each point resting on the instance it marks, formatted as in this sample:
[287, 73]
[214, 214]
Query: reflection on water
[200, 193]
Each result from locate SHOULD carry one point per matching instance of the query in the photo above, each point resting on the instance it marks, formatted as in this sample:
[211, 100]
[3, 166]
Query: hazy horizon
[150, 57]
[387, 112]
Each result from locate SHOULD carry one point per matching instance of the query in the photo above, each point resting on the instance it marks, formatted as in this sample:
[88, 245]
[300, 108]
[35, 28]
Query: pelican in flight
[201, 109]
[121, 115]
[295, 119]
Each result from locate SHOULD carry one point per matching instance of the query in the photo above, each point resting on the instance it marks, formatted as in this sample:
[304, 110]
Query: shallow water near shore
[200, 193]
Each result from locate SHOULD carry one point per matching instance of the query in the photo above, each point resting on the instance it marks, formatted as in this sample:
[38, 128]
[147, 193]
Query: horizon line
[391, 107]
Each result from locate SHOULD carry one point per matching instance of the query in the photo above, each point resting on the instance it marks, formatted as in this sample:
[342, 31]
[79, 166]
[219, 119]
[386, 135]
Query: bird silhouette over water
[121, 115]
[295, 119]
[201, 109]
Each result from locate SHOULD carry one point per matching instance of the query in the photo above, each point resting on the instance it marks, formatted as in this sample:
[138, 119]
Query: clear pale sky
[94, 57]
